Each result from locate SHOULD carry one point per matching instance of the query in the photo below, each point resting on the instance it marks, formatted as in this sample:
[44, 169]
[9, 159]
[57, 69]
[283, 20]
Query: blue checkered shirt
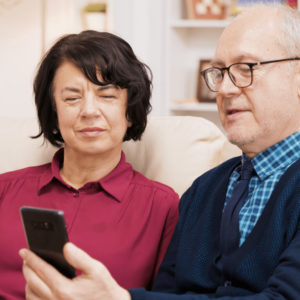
[269, 166]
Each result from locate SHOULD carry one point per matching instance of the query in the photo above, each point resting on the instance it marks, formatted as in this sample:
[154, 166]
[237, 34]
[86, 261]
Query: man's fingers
[46, 272]
[80, 259]
[45, 282]
[30, 295]
[35, 287]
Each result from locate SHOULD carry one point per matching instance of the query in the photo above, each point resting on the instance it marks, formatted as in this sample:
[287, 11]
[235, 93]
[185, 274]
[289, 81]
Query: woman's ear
[129, 124]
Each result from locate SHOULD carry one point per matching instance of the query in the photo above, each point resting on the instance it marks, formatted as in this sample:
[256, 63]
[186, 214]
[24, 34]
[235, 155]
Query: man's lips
[234, 113]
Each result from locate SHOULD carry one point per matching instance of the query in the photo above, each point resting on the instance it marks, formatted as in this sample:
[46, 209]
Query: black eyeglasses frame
[251, 65]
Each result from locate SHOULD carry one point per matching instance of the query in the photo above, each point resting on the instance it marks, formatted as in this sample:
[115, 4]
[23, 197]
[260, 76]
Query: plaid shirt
[269, 166]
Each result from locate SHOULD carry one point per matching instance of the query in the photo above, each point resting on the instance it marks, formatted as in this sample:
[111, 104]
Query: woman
[91, 94]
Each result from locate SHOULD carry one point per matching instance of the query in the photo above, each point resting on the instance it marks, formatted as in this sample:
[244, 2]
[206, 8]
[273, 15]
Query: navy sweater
[266, 266]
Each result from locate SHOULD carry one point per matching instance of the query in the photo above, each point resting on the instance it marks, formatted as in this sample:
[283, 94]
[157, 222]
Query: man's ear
[297, 78]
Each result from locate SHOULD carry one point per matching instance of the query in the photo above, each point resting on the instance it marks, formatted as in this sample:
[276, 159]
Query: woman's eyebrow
[71, 89]
[106, 87]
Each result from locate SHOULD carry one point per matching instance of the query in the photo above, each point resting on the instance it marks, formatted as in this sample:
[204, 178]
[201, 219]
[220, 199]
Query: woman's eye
[109, 96]
[72, 99]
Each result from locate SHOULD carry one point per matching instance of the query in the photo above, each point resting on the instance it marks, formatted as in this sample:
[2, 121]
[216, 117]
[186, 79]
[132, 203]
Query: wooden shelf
[208, 107]
[184, 23]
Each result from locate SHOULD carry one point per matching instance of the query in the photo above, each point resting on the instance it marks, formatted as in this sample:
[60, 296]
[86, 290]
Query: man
[247, 249]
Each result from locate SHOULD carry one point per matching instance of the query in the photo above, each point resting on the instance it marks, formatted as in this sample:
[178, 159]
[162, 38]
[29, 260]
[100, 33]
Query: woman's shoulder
[159, 188]
[24, 173]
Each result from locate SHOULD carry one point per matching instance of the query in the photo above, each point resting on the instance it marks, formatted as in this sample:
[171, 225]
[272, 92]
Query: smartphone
[46, 234]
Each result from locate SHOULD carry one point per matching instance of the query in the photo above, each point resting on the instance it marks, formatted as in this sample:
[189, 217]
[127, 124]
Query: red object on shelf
[292, 3]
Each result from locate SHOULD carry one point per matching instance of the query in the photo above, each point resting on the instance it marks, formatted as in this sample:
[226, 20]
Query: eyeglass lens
[240, 75]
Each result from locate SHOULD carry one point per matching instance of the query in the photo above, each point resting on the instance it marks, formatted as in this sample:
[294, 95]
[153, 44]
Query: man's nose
[227, 86]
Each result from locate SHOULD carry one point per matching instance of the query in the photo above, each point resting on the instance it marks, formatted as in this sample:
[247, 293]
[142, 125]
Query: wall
[142, 24]
[20, 44]
[30, 27]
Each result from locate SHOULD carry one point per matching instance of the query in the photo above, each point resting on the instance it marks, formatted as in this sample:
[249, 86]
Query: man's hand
[45, 282]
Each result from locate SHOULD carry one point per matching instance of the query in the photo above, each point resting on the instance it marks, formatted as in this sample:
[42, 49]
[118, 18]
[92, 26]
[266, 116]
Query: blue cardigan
[266, 266]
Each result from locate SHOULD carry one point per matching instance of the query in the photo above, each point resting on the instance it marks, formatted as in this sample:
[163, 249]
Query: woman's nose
[90, 106]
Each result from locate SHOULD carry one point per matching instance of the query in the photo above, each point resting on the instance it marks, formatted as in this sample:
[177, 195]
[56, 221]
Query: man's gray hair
[290, 39]
[289, 18]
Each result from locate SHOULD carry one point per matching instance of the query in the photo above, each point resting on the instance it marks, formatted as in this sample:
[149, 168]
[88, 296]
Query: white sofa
[173, 150]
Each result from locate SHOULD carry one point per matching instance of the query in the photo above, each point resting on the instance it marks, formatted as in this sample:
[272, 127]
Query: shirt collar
[53, 171]
[279, 156]
[115, 183]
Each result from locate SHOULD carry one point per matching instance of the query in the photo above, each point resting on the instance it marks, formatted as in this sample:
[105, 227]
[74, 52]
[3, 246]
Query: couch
[174, 149]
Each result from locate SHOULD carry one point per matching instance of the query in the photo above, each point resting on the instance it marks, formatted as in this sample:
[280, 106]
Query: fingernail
[69, 245]
[23, 253]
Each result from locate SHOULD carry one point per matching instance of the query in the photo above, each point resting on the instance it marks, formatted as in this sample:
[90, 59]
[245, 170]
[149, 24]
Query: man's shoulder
[224, 169]
[212, 183]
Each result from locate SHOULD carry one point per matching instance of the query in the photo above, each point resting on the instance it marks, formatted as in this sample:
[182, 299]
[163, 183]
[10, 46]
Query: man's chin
[240, 141]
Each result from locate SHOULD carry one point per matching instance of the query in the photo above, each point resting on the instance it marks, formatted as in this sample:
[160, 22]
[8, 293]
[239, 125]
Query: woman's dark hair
[91, 52]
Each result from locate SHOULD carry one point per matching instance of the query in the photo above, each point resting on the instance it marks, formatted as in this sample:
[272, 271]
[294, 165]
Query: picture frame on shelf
[94, 16]
[237, 6]
[204, 94]
[205, 9]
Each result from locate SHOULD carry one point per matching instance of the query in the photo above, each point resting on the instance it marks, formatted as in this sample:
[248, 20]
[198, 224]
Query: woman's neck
[80, 169]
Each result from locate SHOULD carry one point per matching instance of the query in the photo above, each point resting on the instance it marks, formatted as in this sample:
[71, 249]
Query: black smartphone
[46, 235]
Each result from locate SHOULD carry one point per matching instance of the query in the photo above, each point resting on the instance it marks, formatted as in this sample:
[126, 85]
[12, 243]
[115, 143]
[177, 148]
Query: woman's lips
[91, 132]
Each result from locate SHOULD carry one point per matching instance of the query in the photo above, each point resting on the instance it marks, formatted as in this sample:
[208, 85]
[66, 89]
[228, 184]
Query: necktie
[230, 235]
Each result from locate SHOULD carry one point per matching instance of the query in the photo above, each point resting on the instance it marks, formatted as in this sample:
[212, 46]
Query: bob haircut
[94, 53]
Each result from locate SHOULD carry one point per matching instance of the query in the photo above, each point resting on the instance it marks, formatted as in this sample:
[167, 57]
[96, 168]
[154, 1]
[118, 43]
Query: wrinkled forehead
[252, 35]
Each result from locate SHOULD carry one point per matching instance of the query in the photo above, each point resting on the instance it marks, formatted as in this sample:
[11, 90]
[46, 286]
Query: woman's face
[91, 118]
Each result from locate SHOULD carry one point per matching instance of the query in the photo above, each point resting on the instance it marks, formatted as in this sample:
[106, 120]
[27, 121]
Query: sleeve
[170, 224]
[282, 284]
[165, 280]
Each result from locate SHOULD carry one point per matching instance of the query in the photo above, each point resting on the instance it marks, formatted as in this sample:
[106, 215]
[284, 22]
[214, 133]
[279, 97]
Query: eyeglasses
[241, 74]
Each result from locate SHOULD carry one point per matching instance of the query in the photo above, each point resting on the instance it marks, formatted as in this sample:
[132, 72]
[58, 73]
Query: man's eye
[245, 70]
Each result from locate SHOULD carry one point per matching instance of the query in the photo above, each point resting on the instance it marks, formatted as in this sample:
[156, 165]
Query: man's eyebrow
[247, 57]
[216, 62]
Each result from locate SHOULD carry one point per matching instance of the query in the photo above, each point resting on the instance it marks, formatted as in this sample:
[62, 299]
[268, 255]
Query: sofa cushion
[173, 150]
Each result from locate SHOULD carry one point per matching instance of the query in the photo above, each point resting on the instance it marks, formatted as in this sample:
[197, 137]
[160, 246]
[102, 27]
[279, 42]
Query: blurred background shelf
[184, 23]
[188, 41]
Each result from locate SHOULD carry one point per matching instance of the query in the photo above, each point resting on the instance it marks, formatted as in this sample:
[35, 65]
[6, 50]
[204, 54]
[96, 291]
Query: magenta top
[124, 220]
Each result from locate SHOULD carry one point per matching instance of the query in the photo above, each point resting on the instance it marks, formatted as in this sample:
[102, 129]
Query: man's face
[258, 116]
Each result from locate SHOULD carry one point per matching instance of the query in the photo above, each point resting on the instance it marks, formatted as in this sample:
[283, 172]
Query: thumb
[79, 259]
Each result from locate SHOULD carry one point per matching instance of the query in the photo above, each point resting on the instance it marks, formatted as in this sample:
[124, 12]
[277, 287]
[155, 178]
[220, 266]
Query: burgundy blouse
[124, 220]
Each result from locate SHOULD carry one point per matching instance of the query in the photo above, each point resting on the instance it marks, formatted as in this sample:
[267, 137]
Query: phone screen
[46, 235]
